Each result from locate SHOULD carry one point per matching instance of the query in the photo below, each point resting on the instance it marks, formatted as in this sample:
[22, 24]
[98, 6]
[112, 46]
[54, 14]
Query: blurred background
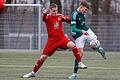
[66, 6]
[103, 18]
[22, 29]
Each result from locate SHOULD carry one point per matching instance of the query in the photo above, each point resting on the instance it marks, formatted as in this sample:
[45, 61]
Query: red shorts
[54, 43]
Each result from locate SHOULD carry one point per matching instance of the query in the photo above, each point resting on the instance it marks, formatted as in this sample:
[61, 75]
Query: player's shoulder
[59, 14]
[48, 15]
[74, 14]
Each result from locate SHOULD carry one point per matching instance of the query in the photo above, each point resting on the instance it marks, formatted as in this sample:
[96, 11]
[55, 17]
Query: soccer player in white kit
[82, 34]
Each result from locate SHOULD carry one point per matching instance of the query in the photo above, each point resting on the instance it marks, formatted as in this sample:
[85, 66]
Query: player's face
[54, 11]
[83, 9]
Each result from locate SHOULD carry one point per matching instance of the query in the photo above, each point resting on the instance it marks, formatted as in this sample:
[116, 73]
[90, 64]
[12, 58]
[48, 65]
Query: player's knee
[95, 44]
[43, 57]
[70, 44]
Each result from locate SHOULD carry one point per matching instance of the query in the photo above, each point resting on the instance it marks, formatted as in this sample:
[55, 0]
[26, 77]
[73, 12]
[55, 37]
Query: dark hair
[85, 3]
[53, 5]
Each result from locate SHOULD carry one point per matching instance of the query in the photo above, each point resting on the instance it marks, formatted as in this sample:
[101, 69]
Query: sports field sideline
[59, 67]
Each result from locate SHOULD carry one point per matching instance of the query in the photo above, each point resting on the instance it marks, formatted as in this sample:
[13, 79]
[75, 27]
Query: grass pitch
[59, 66]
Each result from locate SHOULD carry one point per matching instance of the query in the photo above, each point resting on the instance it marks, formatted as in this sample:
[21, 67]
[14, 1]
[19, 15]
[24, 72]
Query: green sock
[75, 66]
[99, 49]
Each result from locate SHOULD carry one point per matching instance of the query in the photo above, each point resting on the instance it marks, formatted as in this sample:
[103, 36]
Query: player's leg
[36, 67]
[101, 51]
[66, 43]
[95, 44]
[80, 42]
[75, 51]
[77, 66]
[77, 60]
[49, 49]
[81, 65]
[74, 75]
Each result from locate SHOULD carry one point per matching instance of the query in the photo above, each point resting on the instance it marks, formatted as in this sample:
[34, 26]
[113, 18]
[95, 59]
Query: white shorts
[80, 41]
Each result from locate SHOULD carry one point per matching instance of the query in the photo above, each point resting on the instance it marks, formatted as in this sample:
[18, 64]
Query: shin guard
[76, 54]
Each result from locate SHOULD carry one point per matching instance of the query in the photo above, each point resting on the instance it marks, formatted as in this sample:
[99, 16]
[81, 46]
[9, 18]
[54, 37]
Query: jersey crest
[56, 25]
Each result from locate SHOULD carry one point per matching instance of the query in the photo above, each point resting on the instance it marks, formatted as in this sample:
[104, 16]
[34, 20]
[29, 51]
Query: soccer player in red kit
[56, 38]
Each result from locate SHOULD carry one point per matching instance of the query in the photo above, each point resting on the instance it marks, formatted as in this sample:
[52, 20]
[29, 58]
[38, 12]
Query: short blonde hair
[53, 5]
[85, 4]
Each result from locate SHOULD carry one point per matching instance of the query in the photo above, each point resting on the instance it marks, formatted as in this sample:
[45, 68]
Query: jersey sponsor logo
[83, 22]
[59, 18]
[56, 25]
[79, 19]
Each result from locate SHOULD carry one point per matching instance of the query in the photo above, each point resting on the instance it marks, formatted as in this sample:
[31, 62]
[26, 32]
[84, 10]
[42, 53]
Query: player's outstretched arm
[66, 19]
[45, 12]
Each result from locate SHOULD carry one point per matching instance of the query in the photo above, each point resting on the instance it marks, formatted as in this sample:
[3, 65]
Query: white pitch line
[64, 67]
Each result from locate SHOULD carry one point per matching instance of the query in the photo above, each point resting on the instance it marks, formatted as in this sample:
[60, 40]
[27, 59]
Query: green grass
[59, 66]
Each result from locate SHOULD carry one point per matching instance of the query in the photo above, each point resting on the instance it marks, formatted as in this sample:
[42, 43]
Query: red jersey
[54, 24]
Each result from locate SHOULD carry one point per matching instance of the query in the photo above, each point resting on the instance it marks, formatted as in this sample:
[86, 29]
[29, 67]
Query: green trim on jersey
[77, 24]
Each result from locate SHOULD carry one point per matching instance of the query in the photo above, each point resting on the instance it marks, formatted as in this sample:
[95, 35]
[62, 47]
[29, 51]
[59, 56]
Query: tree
[106, 6]
[95, 11]
[72, 6]
[95, 6]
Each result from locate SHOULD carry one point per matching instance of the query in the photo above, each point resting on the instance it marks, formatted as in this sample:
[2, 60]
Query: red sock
[37, 65]
[76, 54]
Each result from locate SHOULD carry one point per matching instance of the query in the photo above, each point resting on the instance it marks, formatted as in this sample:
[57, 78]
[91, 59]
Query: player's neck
[78, 10]
[54, 15]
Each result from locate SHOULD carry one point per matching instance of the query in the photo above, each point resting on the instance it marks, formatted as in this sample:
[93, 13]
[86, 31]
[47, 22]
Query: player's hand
[45, 11]
[85, 32]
